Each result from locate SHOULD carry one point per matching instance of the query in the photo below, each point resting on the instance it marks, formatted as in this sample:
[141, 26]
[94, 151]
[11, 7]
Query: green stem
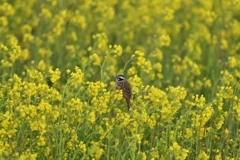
[127, 63]
[104, 64]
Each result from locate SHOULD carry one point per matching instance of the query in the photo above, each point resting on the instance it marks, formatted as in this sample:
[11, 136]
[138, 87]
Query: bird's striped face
[120, 78]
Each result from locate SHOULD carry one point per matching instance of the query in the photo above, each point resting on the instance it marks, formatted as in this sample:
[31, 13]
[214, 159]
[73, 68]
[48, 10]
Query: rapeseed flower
[55, 75]
[168, 14]
[26, 28]
[224, 44]
[7, 9]
[185, 98]
[94, 88]
[178, 151]
[164, 40]
[203, 156]
[45, 13]
[28, 155]
[92, 117]
[3, 21]
[96, 59]
[76, 77]
[117, 50]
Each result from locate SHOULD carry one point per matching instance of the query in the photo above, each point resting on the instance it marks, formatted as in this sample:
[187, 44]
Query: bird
[124, 85]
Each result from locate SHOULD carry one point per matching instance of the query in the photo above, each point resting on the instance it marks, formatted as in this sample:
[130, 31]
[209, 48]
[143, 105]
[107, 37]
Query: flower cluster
[59, 60]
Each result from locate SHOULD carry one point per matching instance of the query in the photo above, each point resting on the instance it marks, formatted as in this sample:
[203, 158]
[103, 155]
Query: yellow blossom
[91, 117]
[3, 21]
[179, 152]
[139, 53]
[141, 61]
[94, 88]
[96, 59]
[224, 44]
[76, 77]
[117, 50]
[203, 156]
[132, 71]
[45, 13]
[41, 141]
[55, 75]
[168, 14]
[164, 40]
[7, 9]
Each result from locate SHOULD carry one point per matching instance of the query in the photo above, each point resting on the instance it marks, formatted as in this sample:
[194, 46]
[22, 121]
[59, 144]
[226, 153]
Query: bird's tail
[128, 103]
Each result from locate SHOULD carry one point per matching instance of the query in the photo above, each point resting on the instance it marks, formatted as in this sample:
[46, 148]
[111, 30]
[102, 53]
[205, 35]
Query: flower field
[59, 60]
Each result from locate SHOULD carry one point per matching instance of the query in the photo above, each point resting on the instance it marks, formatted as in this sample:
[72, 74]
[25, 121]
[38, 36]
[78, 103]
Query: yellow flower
[24, 54]
[232, 62]
[7, 9]
[220, 122]
[71, 49]
[168, 14]
[3, 21]
[79, 20]
[76, 78]
[154, 154]
[235, 25]
[74, 36]
[136, 84]
[94, 88]
[194, 68]
[142, 155]
[152, 122]
[41, 65]
[210, 16]
[95, 151]
[132, 71]
[188, 133]
[41, 141]
[27, 37]
[68, 71]
[203, 156]
[58, 25]
[45, 13]
[227, 77]
[164, 40]
[47, 151]
[10, 52]
[139, 53]
[28, 155]
[55, 75]
[237, 109]
[26, 28]
[207, 83]
[179, 153]
[44, 52]
[102, 40]
[157, 96]
[157, 53]
[158, 67]
[117, 50]
[224, 44]
[141, 61]
[132, 126]
[96, 59]
[91, 117]
[82, 146]
[3, 47]
[225, 92]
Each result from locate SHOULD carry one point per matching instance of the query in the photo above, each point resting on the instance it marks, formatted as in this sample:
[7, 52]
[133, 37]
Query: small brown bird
[123, 84]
